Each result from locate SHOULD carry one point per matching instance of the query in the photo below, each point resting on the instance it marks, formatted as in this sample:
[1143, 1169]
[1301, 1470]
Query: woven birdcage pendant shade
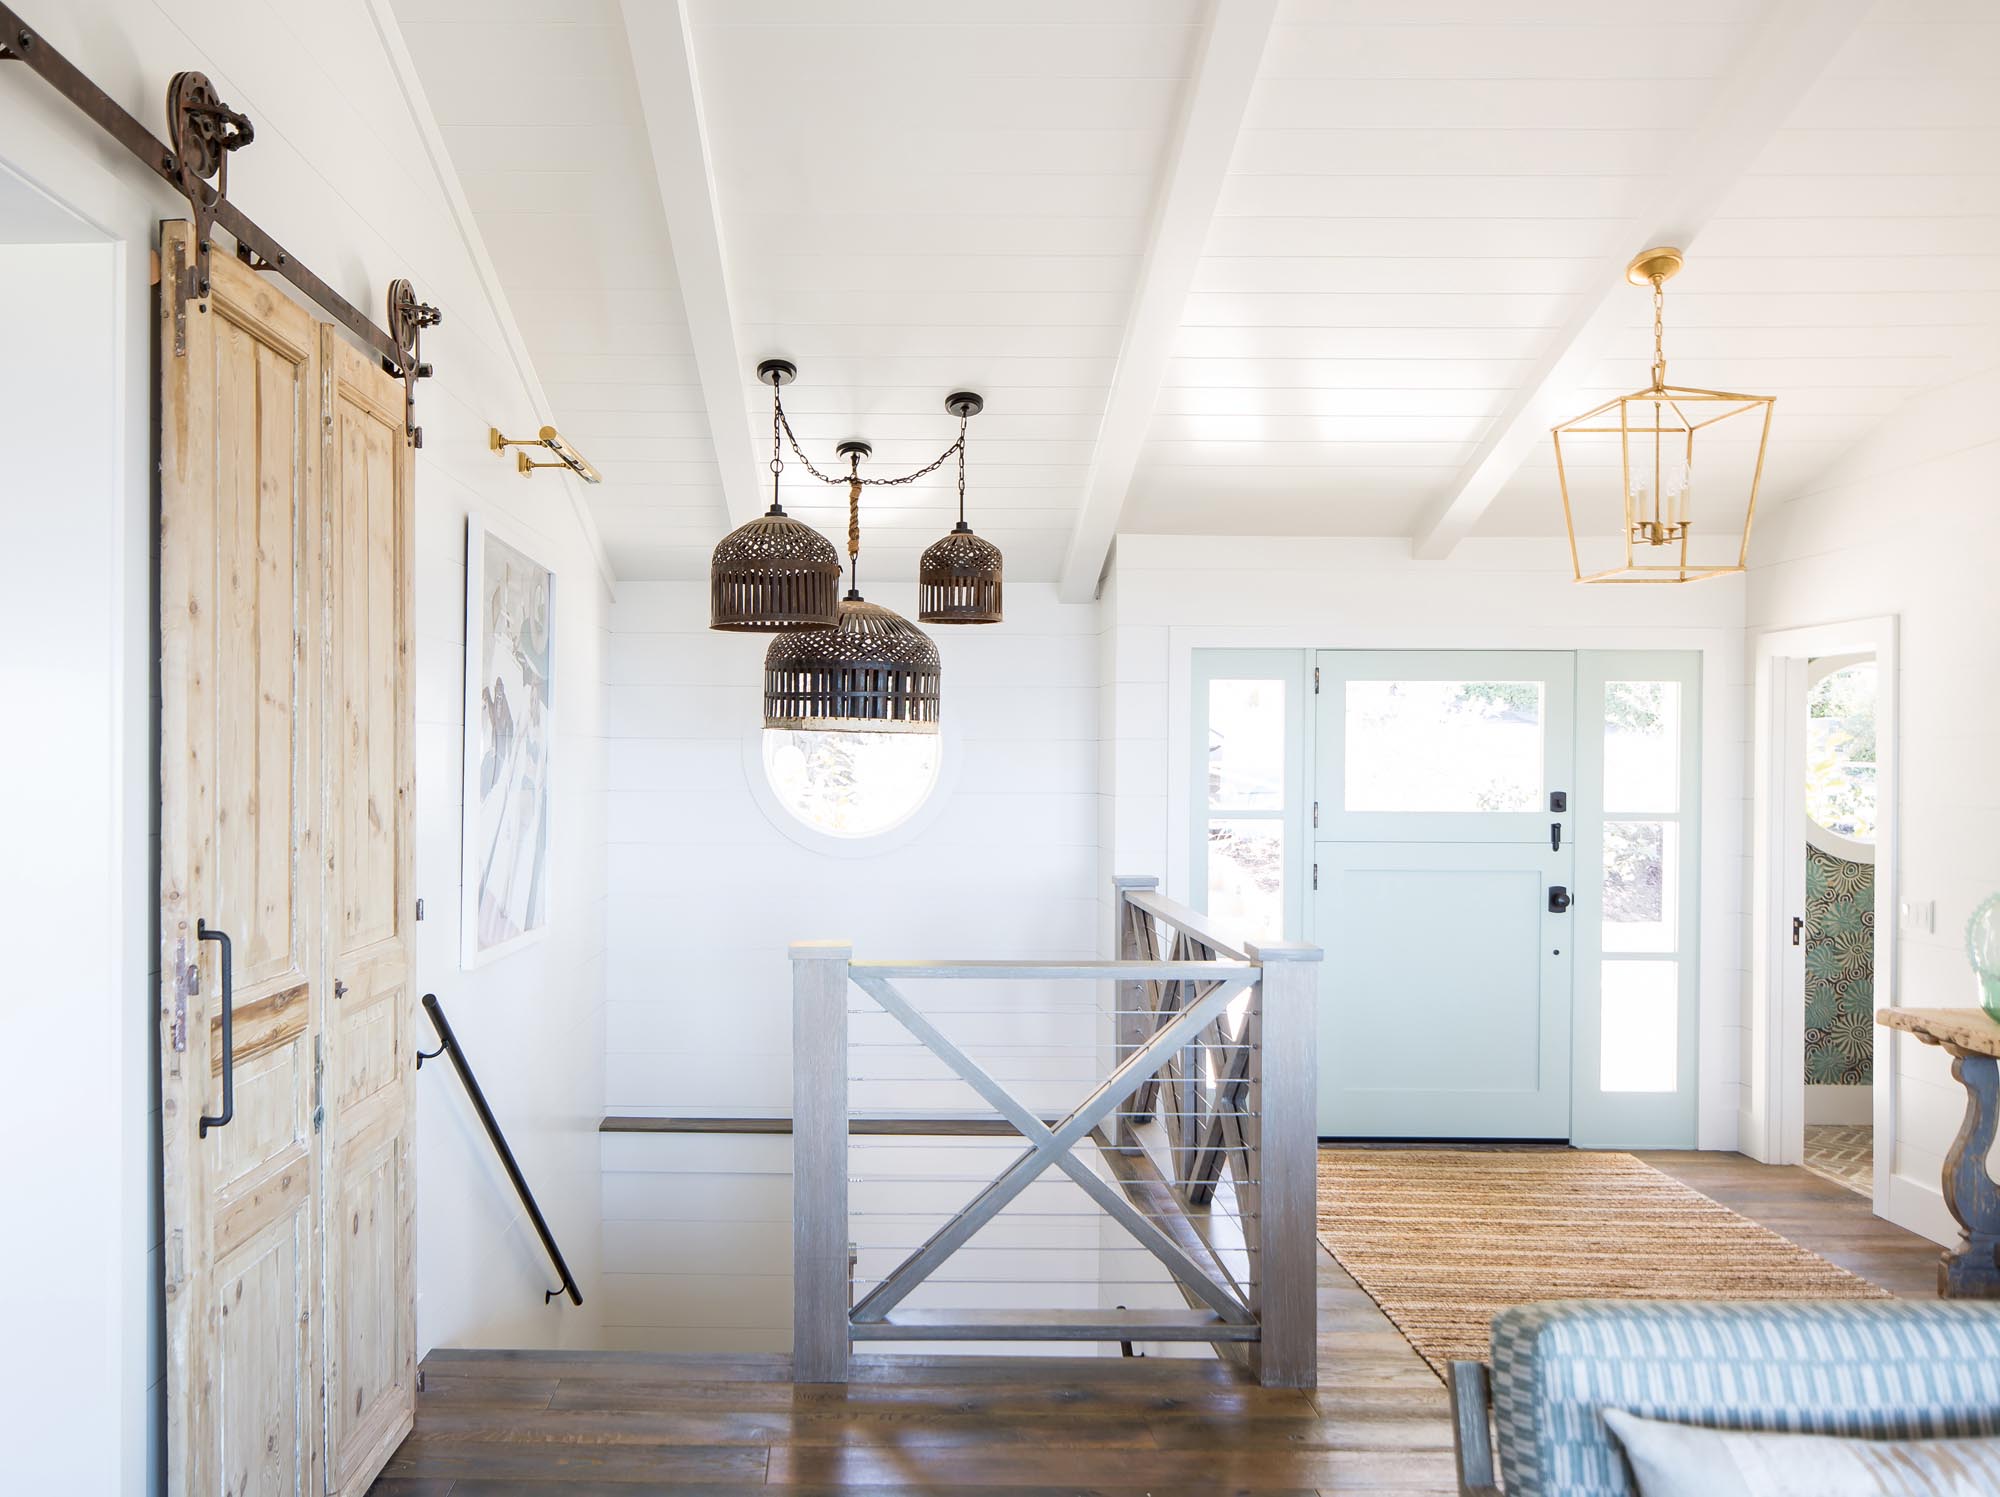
[873, 672]
[774, 574]
[958, 581]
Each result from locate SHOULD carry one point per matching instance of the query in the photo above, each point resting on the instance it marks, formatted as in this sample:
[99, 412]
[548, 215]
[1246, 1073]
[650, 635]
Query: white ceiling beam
[1781, 61]
[1211, 115]
[662, 41]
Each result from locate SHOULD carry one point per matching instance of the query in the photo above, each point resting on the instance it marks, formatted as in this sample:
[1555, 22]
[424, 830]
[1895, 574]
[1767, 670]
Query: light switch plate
[1918, 915]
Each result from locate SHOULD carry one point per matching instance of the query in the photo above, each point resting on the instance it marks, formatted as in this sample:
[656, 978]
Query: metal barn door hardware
[1555, 836]
[449, 1046]
[1559, 900]
[203, 931]
[204, 131]
[551, 439]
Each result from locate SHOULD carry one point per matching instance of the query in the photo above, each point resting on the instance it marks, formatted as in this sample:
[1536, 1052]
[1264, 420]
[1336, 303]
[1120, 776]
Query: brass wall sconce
[566, 455]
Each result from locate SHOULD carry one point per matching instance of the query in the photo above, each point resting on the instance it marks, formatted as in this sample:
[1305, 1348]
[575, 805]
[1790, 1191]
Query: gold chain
[1659, 332]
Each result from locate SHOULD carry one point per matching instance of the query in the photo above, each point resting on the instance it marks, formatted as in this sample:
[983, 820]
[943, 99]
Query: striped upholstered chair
[1890, 1369]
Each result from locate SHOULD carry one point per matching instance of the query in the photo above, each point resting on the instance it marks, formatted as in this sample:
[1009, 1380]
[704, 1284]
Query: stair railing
[1210, 1092]
[448, 1045]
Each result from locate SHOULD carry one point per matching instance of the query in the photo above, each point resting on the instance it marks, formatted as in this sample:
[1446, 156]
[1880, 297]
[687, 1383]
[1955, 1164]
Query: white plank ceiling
[914, 198]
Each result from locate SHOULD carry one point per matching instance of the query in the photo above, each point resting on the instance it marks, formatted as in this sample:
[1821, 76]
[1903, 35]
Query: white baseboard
[1920, 1208]
[1852, 1105]
[1749, 1141]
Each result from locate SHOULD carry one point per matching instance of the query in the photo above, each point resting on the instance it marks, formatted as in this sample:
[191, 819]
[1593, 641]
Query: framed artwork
[509, 745]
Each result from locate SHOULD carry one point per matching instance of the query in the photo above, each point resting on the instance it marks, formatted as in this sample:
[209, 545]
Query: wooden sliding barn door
[371, 1353]
[285, 838]
[240, 666]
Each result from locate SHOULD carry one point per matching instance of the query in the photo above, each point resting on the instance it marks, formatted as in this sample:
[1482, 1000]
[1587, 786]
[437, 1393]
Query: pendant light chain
[781, 419]
[961, 471]
[777, 453]
[1659, 332]
[854, 482]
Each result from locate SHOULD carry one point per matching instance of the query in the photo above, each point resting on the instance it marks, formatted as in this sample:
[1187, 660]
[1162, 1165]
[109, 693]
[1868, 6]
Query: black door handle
[202, 932]
[1558, 899]
[1555, 836]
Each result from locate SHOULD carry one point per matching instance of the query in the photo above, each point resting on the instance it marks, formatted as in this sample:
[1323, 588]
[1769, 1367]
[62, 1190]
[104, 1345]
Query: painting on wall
[509, 744]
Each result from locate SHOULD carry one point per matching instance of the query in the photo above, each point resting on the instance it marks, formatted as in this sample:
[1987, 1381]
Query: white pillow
[1683, 1460]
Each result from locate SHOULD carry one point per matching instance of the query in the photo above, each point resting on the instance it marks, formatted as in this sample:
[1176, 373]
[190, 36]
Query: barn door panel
[370, 1195]
[240, 884]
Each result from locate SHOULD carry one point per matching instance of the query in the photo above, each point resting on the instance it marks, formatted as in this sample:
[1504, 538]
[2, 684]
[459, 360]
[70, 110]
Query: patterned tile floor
[1842, 1153]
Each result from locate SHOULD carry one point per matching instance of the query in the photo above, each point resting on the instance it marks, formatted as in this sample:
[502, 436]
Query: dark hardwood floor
[515, 1424]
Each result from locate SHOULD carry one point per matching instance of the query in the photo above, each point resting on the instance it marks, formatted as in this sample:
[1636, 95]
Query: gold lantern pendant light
[958, 581]
[775, 574]
[872, 672]
[1656, 429]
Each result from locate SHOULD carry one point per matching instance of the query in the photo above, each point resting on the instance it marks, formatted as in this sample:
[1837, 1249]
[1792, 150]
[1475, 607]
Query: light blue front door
[1443, 859]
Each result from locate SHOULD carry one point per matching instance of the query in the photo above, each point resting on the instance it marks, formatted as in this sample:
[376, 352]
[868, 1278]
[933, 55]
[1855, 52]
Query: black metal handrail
[451, 1047]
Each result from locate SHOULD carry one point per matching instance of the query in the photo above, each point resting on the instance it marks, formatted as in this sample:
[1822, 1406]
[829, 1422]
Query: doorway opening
[1838, 935]
[1821, 1084]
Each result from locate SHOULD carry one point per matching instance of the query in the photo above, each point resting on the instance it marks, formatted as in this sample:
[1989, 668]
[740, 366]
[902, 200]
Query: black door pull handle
[221, 938]
[1559, 900]
[1555, 836]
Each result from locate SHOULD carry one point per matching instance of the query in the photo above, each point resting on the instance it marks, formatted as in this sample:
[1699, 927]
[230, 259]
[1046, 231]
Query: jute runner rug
[1443, 1238]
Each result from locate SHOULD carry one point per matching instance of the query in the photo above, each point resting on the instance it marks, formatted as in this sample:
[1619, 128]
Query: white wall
[76, 1074]
[341, 170]
[1171, 595]
[1907, 524]
[708, 890]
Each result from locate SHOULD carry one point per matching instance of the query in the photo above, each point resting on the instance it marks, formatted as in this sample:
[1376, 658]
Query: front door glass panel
[1451, 746]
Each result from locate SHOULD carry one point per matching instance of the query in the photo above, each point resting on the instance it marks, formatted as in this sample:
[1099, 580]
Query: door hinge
[1798, 929]
[319, 1081]
[1315, 875]
[1315, 680]
[187, 983]
[1315, 814]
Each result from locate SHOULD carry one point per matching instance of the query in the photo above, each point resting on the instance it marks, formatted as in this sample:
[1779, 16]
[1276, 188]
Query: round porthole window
[1840, 759]
[852, 785]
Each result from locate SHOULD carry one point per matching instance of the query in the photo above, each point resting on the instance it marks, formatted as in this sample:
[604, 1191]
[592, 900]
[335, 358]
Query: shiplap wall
[339, 171]
[708, 889]
[1906, 524]
[1172, 594]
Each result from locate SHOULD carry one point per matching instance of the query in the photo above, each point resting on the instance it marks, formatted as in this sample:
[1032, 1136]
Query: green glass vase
[1982, 949]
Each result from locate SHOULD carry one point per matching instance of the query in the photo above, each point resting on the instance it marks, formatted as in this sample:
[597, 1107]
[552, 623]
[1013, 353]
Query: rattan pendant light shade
[873, 672]
[958, 580]
[775, 574]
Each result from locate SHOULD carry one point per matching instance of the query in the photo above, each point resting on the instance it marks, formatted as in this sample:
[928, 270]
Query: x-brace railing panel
[1051, 1147]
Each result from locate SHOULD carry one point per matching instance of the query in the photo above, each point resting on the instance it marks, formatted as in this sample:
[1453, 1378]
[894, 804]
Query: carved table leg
[1973, 1272]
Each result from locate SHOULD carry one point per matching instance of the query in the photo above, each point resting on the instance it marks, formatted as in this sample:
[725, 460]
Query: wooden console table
[1972, 1039]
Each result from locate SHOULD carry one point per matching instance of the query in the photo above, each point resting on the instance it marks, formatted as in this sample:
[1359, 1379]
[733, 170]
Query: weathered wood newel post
[820, 1275]
[1285, 1084]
